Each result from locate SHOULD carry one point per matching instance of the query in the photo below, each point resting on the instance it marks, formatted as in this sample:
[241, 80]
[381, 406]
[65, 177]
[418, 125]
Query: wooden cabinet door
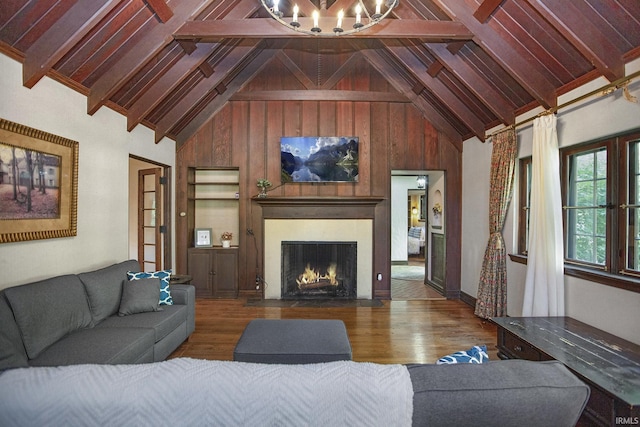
[201, 272]
[225, 277]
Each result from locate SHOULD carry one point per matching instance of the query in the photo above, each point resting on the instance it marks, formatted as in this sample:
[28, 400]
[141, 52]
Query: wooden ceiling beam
[268, 28]
[161, 88]
[245, 74]
[295, 70]
[139, 54]
[61, 37]
[165, 84]
[478, 85]
[342, 71]
[200, 90]
[438, 89]
[502, 51]
[569, 18]
[161, 9]
[401, 85]
[486, 9]
[321, 95]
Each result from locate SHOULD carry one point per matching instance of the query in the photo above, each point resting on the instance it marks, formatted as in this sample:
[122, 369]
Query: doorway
[149, 214]
[413, 194]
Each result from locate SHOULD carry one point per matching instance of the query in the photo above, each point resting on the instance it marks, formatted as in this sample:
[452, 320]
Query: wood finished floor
[399, 332]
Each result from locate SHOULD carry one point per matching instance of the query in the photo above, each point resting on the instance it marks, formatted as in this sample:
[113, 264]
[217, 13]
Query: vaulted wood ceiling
[468, 65]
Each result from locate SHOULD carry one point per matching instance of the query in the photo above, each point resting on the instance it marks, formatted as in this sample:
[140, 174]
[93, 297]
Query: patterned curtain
[492, 289]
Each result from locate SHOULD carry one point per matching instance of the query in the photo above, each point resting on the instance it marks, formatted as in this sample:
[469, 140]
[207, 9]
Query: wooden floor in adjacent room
[398, 332]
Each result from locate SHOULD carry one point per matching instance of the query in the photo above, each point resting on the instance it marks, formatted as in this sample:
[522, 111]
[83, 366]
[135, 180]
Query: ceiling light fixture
[342, 24]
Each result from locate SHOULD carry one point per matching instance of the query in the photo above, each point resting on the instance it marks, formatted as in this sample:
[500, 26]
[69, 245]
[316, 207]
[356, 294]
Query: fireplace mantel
[318, 207]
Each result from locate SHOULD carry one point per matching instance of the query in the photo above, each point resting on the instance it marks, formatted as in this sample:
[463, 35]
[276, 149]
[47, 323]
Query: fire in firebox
[311, 278]
[318, 269]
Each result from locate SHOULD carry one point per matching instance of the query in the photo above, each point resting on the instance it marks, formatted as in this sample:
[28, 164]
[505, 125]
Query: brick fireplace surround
[318, 219]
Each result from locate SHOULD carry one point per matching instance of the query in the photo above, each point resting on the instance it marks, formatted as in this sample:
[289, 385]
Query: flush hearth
[319, 270]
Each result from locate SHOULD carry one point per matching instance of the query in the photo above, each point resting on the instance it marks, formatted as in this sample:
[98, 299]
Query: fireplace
[319, 269]
[315, 219]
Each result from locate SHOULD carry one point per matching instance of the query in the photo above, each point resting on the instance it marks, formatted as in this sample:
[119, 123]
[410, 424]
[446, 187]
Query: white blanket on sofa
[190, 392]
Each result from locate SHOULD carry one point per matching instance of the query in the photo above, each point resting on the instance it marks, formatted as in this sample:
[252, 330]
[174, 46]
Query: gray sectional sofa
[192, 392]
[74, 319]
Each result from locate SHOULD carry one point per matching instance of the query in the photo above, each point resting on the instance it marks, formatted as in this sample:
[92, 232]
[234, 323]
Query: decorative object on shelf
[360, 20]
[202, 238]
[437, 214]
[225, 238]
[263, 184]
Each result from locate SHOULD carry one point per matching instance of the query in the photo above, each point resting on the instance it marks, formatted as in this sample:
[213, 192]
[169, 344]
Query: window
[585, 205]
[601, 209]
[525, 200]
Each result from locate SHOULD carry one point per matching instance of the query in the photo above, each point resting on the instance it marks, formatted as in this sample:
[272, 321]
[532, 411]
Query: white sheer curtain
[544, 286]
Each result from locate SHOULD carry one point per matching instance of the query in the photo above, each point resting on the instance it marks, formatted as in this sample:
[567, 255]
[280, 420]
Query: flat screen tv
[319, 158]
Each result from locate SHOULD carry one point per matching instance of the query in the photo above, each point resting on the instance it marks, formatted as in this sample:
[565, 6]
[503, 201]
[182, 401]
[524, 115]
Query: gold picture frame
[38, 184]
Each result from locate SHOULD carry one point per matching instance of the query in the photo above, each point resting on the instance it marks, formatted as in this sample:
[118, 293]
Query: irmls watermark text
[627, 421]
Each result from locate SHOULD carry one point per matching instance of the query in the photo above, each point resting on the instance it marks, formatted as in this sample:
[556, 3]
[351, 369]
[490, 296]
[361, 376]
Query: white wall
[104, 148]
[613, 310]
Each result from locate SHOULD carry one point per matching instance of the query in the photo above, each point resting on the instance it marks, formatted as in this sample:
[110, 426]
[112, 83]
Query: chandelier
[355, 19]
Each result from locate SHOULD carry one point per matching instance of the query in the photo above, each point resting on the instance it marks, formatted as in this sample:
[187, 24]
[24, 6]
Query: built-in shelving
[213, 199]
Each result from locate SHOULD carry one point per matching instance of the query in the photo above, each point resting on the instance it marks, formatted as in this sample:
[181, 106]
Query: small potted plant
[225, 238]
[263, 184]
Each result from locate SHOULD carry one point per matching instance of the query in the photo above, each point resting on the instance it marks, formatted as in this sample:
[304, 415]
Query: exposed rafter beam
[161, 9]
[402, 86]
[514, 61]
[438, 89]
[588, 39]
[138, 55]
[479, 86]
[320, 95]
[342, 71]
[61, 37]
[267, 28]
[486, 8]
[244, 75]
[164, 86]
[223, 69]
[296, 71]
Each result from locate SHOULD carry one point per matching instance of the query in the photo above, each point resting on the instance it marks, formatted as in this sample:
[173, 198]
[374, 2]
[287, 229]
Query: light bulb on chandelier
[359, 21]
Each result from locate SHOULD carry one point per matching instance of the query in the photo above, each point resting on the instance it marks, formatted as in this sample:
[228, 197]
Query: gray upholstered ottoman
[293, 341]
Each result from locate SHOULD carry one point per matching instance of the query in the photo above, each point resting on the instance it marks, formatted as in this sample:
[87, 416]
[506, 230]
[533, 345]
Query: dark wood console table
[608, 364]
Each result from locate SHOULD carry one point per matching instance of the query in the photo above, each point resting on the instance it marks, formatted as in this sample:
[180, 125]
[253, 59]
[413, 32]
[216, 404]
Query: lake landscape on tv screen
[319, 159]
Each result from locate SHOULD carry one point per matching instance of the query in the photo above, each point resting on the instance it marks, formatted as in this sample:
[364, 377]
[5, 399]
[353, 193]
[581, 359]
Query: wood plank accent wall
[393, 135]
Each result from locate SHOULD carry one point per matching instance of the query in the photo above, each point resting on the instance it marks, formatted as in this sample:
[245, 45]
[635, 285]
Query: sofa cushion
[47, 310]
[544, 393]
[104, 288]
[12, 354]
[100, 345]
[139, 296]
[164, 276]
[161, 322]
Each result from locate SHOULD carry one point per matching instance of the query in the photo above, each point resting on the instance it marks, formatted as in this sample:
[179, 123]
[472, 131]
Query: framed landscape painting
[38, 184]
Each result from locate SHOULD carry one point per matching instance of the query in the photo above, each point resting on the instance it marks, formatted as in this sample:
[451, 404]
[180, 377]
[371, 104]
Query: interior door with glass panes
[150, 219]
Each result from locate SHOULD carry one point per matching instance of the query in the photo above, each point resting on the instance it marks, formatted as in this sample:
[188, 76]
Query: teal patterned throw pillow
[476, 354]
[164, 275]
